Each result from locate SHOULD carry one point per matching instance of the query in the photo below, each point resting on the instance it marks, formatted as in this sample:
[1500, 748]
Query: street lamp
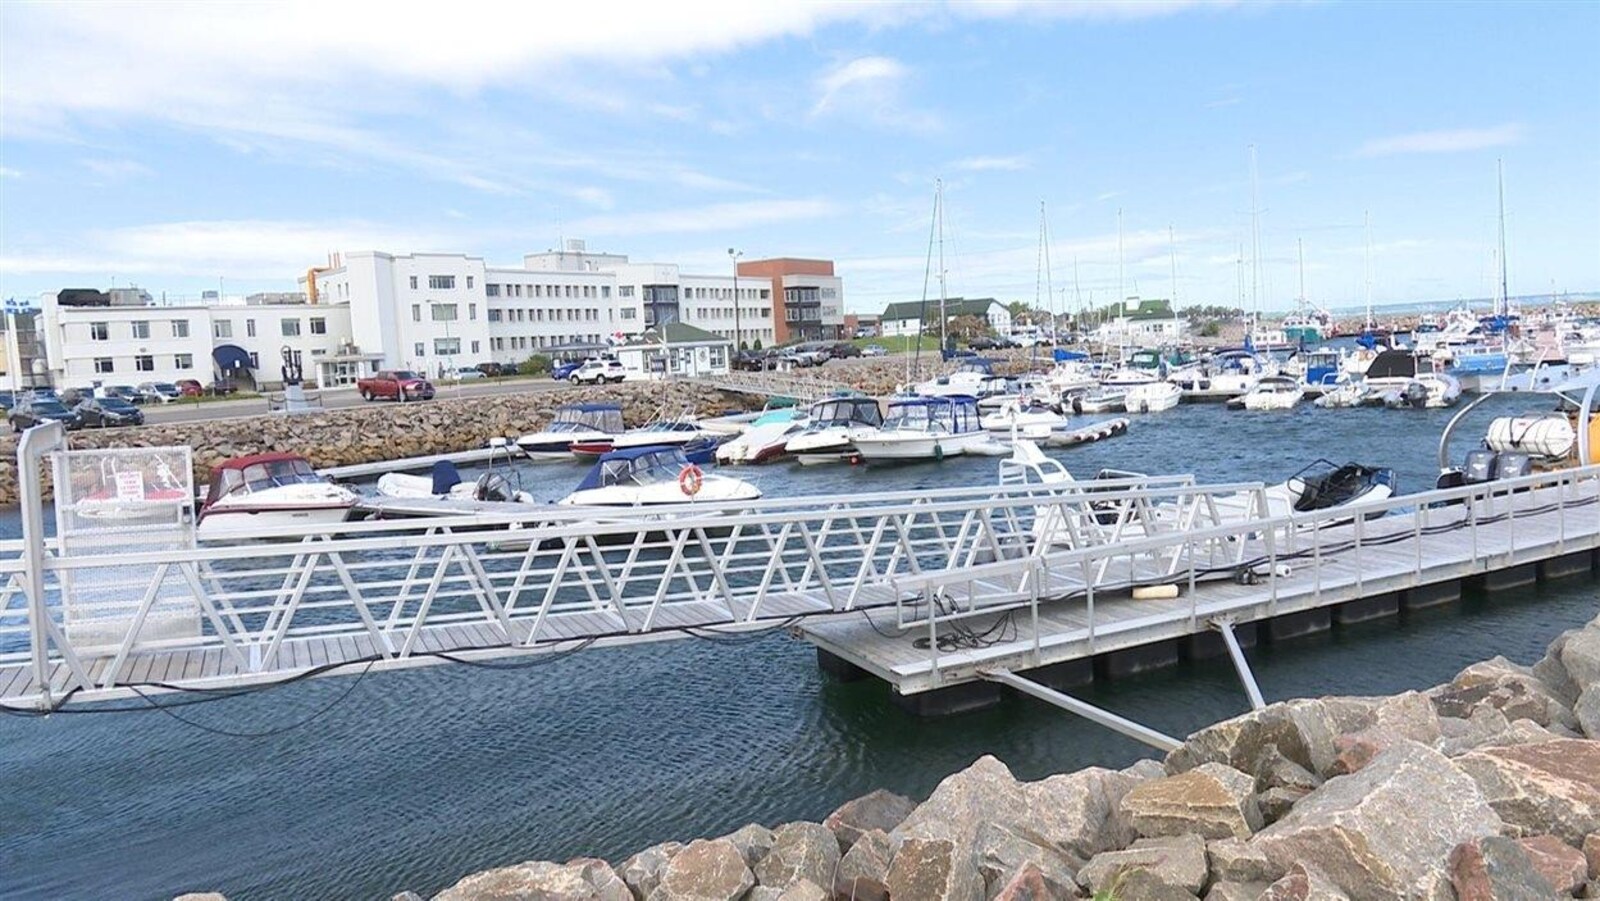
[734, 255]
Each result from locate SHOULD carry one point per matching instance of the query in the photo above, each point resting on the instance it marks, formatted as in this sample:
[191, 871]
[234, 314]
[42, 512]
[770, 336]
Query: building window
[319, 326]
[630, 313]
[624, 290]
[141, 328]
[183, 361]
[104, 365]
[255, 360]
[180, 328]
[249, 328]
[446, 347]
[441, 282]
[413, 283]
[490, 289]
[443, 312]
[99, 331]
[474, 347]
[291, 328]
[472, 312]
[494, 315]
[605, 292]
[222, 328]
[469, 281]
[144, 363]
[416, 312]
[420, 349]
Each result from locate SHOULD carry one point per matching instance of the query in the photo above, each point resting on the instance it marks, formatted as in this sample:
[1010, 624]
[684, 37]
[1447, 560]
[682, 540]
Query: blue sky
[171, 146]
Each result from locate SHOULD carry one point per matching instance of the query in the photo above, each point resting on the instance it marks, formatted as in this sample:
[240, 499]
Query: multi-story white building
[431, 312]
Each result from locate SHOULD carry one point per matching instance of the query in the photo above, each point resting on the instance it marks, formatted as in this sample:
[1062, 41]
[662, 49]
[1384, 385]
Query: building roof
[678, 333]
[953, 306]
[1142, 309]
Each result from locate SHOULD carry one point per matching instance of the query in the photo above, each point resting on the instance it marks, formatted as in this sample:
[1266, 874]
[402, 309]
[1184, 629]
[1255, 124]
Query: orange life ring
[690, 480]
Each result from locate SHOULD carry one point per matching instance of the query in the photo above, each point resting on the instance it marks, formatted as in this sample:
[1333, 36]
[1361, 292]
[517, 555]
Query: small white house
[1142, 323]
[675, 349]
[904, 319]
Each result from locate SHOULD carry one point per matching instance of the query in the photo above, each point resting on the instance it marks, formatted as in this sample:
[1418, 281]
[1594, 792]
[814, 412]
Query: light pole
[734, 255]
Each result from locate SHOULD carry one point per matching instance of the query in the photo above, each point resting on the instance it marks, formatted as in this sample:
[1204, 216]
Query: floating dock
[947, 595]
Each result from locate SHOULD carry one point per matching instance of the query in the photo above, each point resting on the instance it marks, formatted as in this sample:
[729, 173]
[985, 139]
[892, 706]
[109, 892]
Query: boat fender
[1155, 592]
[938, 452]
[691, 480]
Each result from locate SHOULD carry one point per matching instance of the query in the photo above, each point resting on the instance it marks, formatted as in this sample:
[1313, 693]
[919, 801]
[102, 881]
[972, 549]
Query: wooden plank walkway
[1062, 632]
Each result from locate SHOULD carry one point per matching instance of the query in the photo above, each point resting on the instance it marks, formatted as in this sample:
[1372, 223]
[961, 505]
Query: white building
[904, 319]
[676, 348]
[1142, 323]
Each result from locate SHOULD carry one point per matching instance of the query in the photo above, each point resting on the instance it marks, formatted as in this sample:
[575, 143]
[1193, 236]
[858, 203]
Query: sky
[185, 147]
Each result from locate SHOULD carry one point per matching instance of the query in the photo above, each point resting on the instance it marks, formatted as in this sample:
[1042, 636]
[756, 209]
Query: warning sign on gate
[130, 486]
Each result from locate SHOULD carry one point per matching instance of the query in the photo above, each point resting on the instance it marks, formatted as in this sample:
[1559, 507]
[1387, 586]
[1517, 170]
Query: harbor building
[1141, 323]
[904, 318]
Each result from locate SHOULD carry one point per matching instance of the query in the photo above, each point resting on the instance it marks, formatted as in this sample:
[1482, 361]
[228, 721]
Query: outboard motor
[1512, 464]
[445, 477]
[1480, 465]
[492, 487]
[1415, 394]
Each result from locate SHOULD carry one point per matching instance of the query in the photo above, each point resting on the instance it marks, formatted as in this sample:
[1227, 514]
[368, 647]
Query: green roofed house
[677, 349]
[905, 317]
[1142, 323]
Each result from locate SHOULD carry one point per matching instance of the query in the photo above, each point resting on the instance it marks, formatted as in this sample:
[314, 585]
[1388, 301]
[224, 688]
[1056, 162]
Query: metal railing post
[35, 442]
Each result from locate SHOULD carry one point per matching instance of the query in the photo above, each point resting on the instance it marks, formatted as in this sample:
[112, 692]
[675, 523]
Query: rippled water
[416, 778]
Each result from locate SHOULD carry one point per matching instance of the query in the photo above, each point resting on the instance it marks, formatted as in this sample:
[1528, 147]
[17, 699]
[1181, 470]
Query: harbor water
[362, 787]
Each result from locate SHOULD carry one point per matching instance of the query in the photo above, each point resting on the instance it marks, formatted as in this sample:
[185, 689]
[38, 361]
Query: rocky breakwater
[380, 431]
[1484, 788]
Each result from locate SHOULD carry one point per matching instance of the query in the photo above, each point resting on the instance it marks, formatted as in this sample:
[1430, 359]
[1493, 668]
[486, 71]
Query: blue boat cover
[445, 476]
[620, 462]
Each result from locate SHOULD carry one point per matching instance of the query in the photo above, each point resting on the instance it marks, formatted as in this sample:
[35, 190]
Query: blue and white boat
[653, 476]
[923, 428]
[574, 423]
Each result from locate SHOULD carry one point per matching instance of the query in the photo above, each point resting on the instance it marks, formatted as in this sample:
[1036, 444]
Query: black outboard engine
[1512, 464]
[1480, 465]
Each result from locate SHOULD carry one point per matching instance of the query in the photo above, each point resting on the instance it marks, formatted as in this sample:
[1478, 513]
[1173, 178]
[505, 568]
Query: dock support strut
[1224, 625]
[1158, 740]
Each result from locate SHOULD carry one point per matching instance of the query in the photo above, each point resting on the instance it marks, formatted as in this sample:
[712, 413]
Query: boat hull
[242, 521]
[916, 446]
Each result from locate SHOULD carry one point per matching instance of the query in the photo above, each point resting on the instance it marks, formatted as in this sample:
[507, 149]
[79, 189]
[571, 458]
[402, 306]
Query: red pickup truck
[395, 384]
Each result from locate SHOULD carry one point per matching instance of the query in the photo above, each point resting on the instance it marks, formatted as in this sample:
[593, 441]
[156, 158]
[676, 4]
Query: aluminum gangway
[124, 600]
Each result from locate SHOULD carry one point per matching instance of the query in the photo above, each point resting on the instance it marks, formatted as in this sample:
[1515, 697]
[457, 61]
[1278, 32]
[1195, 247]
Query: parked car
[7, 400]
[223, 386]
[563, 371]
[811, 353]
[843, 349]
[983, 342]
[395, 384]
[108, 412]
[35, 410]
[874, 350]
[126, 392]
[190, 387]
[465, 374]
[753, 361]
[159, 392]
[495, 370]
[595, 372]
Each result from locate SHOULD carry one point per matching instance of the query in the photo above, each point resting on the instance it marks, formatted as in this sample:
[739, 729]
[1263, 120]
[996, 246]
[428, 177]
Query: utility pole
[734, 255]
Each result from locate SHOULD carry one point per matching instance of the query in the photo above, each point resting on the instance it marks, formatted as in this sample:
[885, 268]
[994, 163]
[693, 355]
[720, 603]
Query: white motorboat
[1344, 394]
[1104, 399]
[923, 428]
[269, 492]
[1429, 390]
[967, 381]
[765, 439]
[664, 432]
[1225, 375]
[573, 423]
[1276, 392]
[1152, 397]
[829, 425]
[654, 476]
[446, 482]
[1026, 418]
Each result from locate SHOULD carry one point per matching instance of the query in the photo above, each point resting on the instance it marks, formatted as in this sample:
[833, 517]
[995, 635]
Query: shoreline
[1484, 787]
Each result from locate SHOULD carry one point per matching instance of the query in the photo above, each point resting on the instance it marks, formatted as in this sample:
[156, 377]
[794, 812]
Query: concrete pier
[1507, 578]
[1436, 595]
[1139, 659]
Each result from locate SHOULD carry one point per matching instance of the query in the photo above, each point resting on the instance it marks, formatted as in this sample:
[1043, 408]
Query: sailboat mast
[1049, 283]
[1300, 248]
[1366, 221]
[938, 206]
[1121, 293]
[1255, 240]
[1503, 307]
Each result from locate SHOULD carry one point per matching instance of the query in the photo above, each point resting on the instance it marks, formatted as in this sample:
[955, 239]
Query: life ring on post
[690, 480]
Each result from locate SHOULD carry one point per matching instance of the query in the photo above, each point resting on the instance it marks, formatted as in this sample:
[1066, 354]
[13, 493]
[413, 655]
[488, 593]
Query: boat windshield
[861, 411]
[276, 473]
[647, 469]
[587, 418]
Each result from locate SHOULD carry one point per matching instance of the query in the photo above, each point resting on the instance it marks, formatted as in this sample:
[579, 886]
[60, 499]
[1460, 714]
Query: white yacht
[829, 425]
[923, 428]
[263, 492]
[1025, 417]
[573, 423]
[765, 439]
[1276, 392]
[1152, 397]
[653, 476]
[966, 381]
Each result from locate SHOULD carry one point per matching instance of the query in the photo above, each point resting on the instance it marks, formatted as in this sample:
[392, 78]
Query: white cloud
[991, 164]
[1451, 141]
[117, 170]
[870, 89]
[8, 172]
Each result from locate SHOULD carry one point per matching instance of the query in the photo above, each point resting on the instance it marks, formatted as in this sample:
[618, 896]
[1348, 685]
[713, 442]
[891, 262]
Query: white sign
[130, 486]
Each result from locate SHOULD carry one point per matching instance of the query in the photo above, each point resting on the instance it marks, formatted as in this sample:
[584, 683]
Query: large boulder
[1562, 865]
[1178, 862]
[1002, 854]
[1376, 832]
[1495, 868]
[984, 792]
[705, 871]
[1591, 853]
[753, 841]
[1212, 800]
[1501, 685]
[1587, 711]
[864, 869]
[934, 869]
[642, 871]
[1580, 655]
[881, 809]
[1234, 860]
[581, 880]
[799, 851]
[1273, 770]
[1302, 730]
[1077, 813]
[1552, 786]
[1235, 891]
[1553, 673]
[1027, 883]
[1303, 883]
